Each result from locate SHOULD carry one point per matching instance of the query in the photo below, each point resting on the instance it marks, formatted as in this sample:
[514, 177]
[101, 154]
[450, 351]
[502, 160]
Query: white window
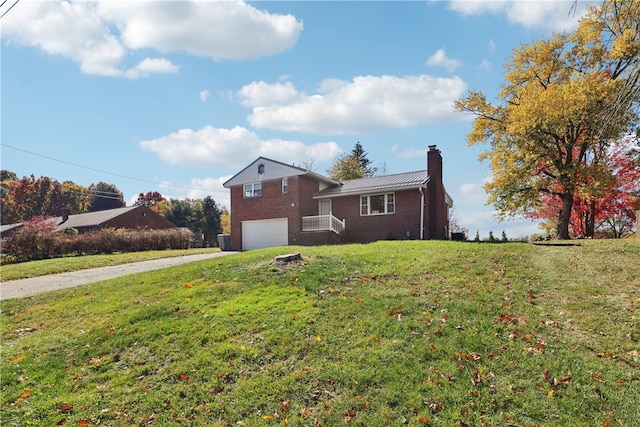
[285, 185]
[378, 204]
[253, 190]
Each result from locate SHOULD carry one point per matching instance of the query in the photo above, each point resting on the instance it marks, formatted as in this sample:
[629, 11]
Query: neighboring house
[133, 217]
[7, 231]
[274, 204]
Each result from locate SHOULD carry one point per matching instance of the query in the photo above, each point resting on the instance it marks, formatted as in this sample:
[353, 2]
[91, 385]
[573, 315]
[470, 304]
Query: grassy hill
[391, 333]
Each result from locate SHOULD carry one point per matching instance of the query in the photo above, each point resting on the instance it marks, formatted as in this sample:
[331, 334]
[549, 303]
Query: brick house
[132, 217]
[275, 204]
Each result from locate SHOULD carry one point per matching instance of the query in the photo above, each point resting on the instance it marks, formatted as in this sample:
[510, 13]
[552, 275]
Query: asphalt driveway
[26, 287]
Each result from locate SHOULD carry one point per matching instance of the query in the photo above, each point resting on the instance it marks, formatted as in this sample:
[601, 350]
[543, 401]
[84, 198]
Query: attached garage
[265, 233]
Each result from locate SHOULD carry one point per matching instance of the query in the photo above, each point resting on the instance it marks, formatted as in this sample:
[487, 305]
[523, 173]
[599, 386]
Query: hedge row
[30, 244]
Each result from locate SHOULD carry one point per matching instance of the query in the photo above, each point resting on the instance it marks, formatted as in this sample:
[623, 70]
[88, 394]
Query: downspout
[422, 205]
[421, 213]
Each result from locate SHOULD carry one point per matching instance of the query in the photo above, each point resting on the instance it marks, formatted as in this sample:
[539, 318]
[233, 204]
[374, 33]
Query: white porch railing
[323, 223]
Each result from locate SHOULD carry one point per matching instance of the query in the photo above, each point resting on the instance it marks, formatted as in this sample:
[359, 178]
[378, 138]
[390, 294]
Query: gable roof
[272, 169]
[92, 219]
[8, 227]
[83, 220]
[399, 181]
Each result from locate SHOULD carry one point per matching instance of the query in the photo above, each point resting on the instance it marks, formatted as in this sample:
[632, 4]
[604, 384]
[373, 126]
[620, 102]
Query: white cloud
[201, 188]
[408, 152]
[485, 65]
[261, 93]
[197, 188]
[366, 104]
[472, 194]
[235, 147]
[204, 95]
[466, 213]
[485, 221]
[440, 59]
[150, 66]
[215, 29]
[100, 35]
[550, 14]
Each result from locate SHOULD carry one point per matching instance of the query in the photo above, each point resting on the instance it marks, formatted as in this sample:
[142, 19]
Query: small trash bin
[224, 242]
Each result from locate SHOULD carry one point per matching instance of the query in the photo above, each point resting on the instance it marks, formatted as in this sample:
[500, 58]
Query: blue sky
[178, 96]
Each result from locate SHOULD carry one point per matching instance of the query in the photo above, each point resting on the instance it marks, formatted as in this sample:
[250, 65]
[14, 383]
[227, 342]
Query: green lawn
[71, 263]
[386, 334]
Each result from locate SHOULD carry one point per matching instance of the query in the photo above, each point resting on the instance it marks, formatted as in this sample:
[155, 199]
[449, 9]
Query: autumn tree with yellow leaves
[564, 103]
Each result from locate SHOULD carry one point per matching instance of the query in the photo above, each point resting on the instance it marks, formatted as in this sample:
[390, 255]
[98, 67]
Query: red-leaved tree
[608, 211]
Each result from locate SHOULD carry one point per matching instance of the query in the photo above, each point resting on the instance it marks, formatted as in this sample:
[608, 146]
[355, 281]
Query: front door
[325, 207]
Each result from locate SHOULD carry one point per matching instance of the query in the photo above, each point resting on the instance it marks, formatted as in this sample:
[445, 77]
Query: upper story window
[252, 190]
[378, 204]
[261, 168]
[285, 185]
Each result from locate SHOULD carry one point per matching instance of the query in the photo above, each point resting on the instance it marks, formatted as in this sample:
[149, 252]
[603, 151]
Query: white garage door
[265, 233]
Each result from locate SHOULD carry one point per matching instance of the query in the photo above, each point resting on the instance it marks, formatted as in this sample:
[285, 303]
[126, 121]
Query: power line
[10, 7]
[108, 173]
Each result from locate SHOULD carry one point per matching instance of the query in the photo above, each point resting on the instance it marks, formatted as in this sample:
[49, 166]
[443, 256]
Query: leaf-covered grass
[391, 333]
[73, 263]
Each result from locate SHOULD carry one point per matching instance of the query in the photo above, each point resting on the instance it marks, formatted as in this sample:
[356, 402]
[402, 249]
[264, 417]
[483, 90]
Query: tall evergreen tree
[352, 165]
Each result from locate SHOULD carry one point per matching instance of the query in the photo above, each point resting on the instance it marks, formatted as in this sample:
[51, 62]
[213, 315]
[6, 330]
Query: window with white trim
[252, 190]
[285, 185]
[378, 204]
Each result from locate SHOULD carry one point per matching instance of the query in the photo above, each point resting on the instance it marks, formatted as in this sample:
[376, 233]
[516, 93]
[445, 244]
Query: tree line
[29, 197]
[563, 136]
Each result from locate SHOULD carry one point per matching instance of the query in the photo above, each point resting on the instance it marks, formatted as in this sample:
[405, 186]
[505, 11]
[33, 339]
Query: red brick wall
[272, 204]
[140, 218]
[369, 228]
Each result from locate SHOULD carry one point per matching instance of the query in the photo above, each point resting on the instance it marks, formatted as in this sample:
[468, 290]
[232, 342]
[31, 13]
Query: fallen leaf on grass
[348, 416]
[61, 422]
[84, 423]
[562, 381]
[474, 356]
[65, 407]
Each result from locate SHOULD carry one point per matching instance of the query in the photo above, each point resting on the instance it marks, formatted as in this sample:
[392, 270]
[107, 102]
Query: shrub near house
[129, 229]
[29, 244]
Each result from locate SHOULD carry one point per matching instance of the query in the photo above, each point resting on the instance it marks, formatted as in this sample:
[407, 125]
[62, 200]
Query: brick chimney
[65, 215]
[436, 206]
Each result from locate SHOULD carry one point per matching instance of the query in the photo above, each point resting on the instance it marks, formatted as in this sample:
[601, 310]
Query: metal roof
[400, 181]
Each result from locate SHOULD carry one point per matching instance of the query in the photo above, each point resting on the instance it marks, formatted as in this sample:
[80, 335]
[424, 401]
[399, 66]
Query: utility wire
[10, 7]
[109, 173]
